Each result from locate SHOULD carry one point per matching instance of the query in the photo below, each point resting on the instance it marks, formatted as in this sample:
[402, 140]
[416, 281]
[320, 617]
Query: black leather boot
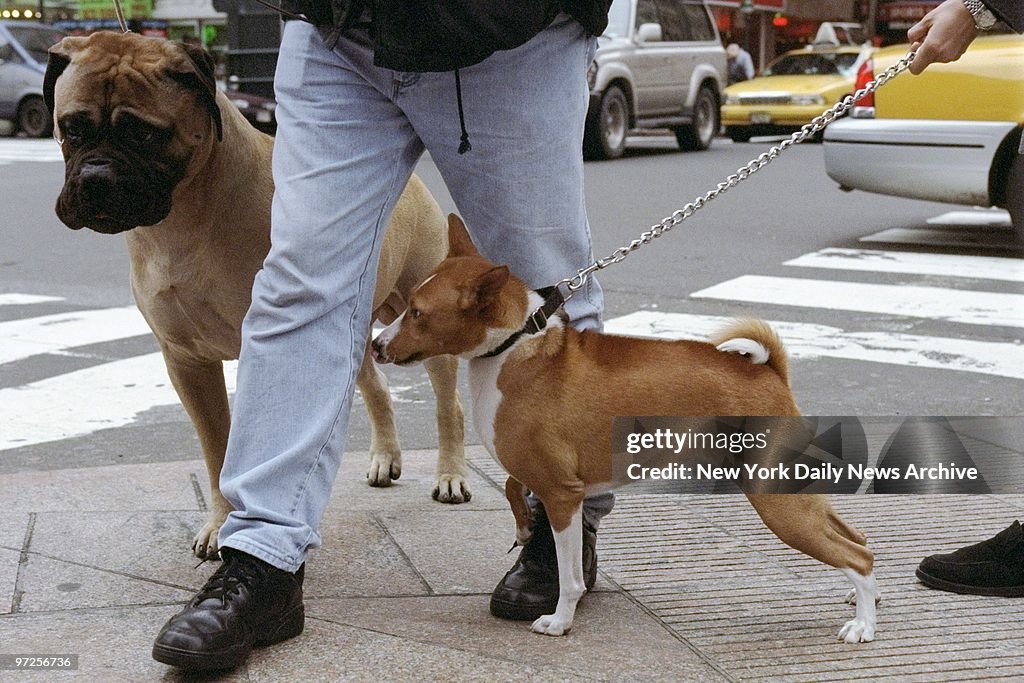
[992, 567]
[530, 589]
[246, 602]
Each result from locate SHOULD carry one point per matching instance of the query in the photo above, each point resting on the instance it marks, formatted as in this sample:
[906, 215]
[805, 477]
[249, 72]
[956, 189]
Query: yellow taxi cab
[791, 91]
[951, 134]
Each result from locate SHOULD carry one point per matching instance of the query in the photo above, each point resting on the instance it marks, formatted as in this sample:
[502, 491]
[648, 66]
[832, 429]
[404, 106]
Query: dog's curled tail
[756, 340]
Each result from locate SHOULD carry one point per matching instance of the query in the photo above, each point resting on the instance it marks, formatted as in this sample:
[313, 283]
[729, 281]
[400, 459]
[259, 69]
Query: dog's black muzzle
[110, 193]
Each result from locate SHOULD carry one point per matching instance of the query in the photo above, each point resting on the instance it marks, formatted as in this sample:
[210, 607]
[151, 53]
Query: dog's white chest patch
[486, 397]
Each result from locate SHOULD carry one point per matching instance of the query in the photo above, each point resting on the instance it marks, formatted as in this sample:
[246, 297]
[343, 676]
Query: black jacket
[1011, 12]
[443, 35]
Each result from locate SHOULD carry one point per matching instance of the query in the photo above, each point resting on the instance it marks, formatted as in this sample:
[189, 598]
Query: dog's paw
[204, 545]
[384, 469]
[851, 597]
[857, 631]
[551, 625]
[452, 488]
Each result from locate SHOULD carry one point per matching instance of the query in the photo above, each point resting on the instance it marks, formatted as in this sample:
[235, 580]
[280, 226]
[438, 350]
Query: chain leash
[576, 282]
[120, 17]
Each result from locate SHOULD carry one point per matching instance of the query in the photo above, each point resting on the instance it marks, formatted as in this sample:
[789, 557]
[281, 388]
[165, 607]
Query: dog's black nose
[96, 176]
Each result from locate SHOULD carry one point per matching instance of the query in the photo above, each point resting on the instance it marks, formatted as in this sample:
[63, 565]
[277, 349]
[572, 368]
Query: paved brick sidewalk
[93, 561]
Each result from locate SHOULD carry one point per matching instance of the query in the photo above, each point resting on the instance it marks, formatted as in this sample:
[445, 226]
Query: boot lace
[227, 580]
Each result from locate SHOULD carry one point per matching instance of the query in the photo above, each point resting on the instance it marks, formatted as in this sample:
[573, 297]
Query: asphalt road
[904, 325]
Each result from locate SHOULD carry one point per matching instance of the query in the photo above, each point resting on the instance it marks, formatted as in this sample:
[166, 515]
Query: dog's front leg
[200, 386]
[385, 454]
[569, 550]
[452, 486]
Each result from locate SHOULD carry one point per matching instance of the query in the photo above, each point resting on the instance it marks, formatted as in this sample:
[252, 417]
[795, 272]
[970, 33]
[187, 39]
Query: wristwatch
[983, 17]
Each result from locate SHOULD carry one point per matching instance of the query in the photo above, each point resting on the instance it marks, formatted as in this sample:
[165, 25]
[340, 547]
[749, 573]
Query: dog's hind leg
[200, 386]
[515, 493]
[452, 486]
[385, 453]
[808, 523]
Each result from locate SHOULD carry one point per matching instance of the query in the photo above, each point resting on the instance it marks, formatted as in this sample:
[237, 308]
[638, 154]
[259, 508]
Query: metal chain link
[576, 282]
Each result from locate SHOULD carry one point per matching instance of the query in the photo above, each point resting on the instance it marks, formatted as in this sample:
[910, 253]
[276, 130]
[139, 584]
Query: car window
[684, 21]
[646, 13]
[7, 52]
[36, 40]
[819, 64]
[679, 21]
[618, 19]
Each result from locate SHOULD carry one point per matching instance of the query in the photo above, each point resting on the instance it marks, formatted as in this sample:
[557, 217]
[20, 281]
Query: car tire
[706, 120]
[34, 118]
[605, 134]
[1015, 195]
[739, 134]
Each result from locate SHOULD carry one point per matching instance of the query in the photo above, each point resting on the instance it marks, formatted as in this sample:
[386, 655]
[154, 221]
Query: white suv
[659, 64]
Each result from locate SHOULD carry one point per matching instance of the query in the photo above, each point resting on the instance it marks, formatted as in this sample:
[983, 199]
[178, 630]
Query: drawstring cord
[464, 145]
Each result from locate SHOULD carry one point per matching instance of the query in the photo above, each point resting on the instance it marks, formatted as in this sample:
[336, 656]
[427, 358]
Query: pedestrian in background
[739, 64]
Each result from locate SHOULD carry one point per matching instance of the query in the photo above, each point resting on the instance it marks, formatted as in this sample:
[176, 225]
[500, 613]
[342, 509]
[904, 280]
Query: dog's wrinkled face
[133, 115]
[454, 310]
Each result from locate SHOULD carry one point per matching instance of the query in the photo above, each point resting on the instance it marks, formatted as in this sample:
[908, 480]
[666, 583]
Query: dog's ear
[197, 74]
[486, 287]
[459, 242]
[58, 60]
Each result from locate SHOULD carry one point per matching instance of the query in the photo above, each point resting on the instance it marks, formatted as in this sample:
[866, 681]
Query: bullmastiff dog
[154, 152]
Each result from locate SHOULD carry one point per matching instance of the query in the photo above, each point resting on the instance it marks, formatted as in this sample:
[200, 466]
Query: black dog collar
[538, 320]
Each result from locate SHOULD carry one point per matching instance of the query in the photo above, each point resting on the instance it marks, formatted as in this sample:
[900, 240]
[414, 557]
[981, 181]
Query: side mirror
[6, 52]
[649, 33]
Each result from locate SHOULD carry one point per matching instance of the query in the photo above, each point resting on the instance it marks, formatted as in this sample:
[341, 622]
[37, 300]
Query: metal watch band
[983, 17]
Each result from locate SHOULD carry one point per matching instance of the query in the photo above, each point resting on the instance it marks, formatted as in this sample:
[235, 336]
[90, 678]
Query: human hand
[942, 35]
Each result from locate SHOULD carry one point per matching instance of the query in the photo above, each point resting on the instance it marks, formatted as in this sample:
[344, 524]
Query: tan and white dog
[154, 152]
[544, 406]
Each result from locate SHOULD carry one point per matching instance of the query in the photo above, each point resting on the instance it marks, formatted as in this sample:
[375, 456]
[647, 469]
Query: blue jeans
[349, 134]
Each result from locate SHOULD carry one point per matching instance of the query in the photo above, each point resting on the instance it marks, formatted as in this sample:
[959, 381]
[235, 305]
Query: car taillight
[865, 106]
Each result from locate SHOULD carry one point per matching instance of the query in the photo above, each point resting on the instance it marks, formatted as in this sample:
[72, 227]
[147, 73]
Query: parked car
[791, 90]
[258, 110]
[951, 134]
[23, 56]
[660, 64]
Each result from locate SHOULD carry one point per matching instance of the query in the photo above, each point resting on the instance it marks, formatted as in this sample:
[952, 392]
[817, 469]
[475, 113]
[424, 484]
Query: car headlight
[732, 99]
[808, 100]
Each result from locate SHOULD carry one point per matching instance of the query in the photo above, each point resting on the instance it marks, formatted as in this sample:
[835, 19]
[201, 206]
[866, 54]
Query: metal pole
[872, 20]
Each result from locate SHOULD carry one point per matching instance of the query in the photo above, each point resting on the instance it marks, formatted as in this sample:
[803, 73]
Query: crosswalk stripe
[30, 150]
[914, 263]
[63, 331]
[940, 303]
[931, 237]
[808, 340]
[84, 401]
[977, 218]
[25, 299]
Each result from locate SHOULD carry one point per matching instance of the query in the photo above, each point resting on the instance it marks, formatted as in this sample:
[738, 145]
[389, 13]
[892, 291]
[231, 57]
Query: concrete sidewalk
[93, 561]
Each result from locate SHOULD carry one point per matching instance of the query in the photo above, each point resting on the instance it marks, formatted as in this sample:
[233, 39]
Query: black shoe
[530, 589]
[246, 602]
[992, 567]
